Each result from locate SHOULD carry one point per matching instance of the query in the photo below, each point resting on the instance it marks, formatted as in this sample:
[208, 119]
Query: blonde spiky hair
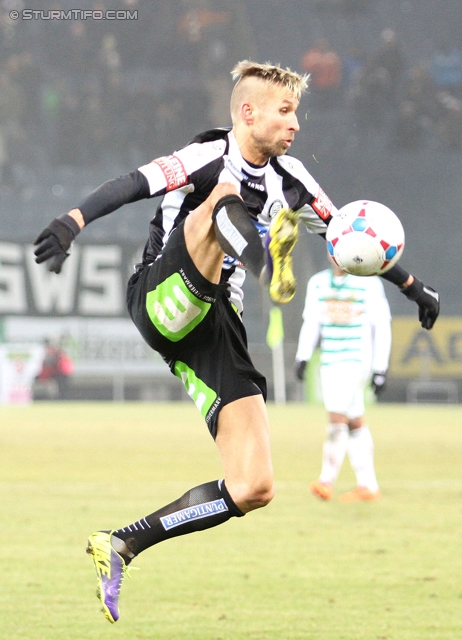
[271, 73]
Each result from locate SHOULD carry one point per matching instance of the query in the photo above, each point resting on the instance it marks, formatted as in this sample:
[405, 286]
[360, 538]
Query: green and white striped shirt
[349, 317]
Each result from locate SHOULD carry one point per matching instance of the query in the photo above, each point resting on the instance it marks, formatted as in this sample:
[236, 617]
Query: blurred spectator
[50, 107]
[196, 21]
[325, 68]
[369, 97]
[13, 39]
[388, 63]
[82, 51]
[12, 134]
[57, 368]
[52, 37]
[29, 76]
[169, 114]
[420, 89]
[449, 127]
[96, 129]
[115, 106]
[353, 64]
[206, 33]
[73, 131]
[407, 129]
[141, 117]
[446, 69]
[108, 56]
[138, 41]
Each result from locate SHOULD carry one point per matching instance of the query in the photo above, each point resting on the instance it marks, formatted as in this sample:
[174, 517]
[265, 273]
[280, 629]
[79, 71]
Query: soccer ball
[365, 238]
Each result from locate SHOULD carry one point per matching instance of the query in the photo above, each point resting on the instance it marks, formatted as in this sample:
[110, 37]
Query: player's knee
[204, 211]
[262, 496]
[254, 496]
[221, 190]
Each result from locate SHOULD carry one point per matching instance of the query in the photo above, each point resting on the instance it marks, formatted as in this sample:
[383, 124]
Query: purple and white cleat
[110, 570]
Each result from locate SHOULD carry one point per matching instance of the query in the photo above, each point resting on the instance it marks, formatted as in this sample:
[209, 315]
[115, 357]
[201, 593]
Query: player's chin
[281, 150]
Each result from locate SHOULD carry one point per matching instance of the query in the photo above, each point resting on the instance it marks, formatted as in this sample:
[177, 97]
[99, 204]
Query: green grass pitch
[298, 569]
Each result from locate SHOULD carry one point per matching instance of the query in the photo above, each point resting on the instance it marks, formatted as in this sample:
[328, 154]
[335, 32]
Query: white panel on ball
[366, 238]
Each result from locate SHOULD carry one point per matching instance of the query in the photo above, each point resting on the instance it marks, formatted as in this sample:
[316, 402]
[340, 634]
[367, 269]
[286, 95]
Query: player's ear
[247, 113]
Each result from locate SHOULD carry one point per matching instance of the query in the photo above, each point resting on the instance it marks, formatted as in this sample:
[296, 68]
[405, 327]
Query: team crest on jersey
[173, 170]
[274, 208]
[322, 205]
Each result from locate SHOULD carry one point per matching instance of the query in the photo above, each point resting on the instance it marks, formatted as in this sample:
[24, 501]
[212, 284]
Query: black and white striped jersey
[187, 177]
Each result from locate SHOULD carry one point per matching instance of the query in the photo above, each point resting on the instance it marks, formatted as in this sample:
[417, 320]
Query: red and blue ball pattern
[361, 224]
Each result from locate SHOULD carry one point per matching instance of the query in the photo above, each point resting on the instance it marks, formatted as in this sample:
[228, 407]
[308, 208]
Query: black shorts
[192, 324]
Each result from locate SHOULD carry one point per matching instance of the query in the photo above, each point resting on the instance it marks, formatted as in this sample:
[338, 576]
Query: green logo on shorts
[173, 309]
[202, 395]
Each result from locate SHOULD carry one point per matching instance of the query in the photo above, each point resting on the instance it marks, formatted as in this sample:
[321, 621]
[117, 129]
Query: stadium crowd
[415, 104]
[76, 92]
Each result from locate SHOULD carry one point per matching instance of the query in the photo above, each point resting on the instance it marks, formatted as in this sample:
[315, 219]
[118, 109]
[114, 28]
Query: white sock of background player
[360, 449]
[333, 452]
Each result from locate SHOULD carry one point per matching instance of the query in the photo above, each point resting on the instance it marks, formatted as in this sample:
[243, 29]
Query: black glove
[55, 241]
[428, 301]
[379, 382]
[300, 367]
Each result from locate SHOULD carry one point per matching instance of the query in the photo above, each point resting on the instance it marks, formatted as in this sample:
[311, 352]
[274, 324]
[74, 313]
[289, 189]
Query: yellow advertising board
[417, 352]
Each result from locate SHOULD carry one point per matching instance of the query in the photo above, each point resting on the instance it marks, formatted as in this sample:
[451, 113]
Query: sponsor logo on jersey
[204, 510]
[342, 311]
[174, 309]
[255, 185]
[173, 170]
[235, 171]
[217, 402]
[322, 205]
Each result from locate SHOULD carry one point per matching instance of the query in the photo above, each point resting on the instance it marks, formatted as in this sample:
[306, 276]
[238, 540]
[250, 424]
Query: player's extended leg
[243, 443]
[333, 455]
[338, 384]
[244, 447]
[202, 507]
[361, 454]
[223, 224]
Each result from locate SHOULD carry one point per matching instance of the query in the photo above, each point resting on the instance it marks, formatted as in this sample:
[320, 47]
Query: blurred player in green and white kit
[350, 317]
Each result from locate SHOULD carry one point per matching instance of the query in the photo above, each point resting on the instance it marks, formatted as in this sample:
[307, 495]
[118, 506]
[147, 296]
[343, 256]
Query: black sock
[237, 234]
[203, 507]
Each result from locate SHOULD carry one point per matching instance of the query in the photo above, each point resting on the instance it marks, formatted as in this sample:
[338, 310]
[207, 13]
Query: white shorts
[343, 388]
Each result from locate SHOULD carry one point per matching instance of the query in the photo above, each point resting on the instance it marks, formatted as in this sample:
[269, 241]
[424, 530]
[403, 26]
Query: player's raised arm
[54, 242]
[427, 299]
